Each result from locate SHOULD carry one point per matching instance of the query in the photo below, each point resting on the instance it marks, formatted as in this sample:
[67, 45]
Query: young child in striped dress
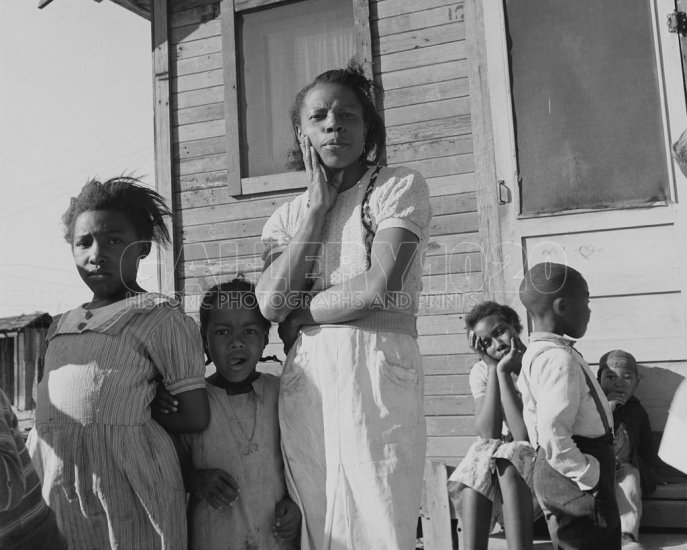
[108, 470]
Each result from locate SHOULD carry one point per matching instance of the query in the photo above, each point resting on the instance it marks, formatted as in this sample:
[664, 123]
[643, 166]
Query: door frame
[512, 228]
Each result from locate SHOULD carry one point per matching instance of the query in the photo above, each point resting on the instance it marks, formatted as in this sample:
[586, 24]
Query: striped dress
[109, 471]
[25, 519]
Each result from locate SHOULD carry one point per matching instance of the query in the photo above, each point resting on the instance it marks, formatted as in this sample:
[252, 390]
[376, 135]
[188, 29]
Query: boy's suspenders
[592, 389]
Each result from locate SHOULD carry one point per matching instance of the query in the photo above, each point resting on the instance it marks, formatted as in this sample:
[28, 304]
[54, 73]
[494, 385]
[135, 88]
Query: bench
[665, 510]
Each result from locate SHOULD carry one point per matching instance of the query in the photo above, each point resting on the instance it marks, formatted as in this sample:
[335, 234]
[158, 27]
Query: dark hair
[480, 311]
[365, 90]
[237, 292]
[144, 207]
[545, 282]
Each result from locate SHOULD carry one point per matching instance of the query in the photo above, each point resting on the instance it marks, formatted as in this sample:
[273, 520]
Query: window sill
[288, 181]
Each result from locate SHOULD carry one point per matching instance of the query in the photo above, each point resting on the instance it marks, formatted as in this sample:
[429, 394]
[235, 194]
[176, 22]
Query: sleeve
[646, 446]
[12, 482]
[560, 382]
[281, 226]
[176, 349]
[402, 200]
[478, 380]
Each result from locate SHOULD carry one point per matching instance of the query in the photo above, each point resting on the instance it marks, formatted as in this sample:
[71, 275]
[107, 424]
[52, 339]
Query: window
[587, 105]
[278, 48]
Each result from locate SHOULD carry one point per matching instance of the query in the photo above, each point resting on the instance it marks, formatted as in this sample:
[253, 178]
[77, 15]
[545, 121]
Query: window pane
[284, 48]
[589, 126]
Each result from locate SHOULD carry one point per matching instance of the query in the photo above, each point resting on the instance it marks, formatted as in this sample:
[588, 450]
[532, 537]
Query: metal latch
[677, 22]
[504, 194]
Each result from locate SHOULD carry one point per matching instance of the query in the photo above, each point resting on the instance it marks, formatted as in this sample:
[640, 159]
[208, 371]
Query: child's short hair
[545, 282]
[484, 309]
[617, 358]
[365, 89]
[144, 207]
[237, 292]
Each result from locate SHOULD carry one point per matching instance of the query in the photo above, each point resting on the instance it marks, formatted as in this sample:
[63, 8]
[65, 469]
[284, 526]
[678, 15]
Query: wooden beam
[231, 109]
[163, 139]
[484, 157]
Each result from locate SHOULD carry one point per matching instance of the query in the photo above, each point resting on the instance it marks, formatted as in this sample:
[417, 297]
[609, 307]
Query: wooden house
[544, 130]
[22, 348]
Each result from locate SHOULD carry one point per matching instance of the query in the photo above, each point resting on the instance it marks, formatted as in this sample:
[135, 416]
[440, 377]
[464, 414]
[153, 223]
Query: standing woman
[351, 398]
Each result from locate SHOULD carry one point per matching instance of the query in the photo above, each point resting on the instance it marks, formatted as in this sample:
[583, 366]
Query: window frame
[236, 184]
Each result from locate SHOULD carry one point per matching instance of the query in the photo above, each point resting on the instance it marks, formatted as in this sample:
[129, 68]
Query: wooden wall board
[417, 20]
[441, 245]
[451, 204]
[223, 230]
[221, 268]
[199, 148]
[198, 81]
[429, 110]
[181, 5]
[441, 324]
[457, 363]
[453, 263]
[454, 223]
[443, 166]
[230, 248]
[445, 384]
[212, 202]
[450, 425]
[454, 183]
[441, 34]
[425, 74]
[203, 113]
[421, 93]
[199, 64]
[200, 130]
[437, 405]
[185, 50]
[194, 15]
[194, 98]
[431, 129]
[209, 163]
[433, 148]
[451, 448]
[189, 33]
[389, 9]
[419, 57]
[444, 304]
[202, 181]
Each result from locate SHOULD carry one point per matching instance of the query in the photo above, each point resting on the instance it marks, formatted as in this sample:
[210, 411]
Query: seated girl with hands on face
[234, 468]
[496, 474]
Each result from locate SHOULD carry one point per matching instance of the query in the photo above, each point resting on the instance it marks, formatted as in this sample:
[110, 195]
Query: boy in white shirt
[567, 415]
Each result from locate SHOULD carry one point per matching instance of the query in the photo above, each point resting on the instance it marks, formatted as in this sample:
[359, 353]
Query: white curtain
[284, 48]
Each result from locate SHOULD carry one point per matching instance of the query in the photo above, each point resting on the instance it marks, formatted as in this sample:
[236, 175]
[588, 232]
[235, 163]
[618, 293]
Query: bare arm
[192, 415]
[510, 400]
[286, 273]
[488, 414]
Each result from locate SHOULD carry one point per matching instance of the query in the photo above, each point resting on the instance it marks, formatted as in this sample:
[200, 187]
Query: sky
[76, 102]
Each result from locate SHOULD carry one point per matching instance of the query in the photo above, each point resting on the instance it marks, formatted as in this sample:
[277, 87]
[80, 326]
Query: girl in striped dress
[108, 470]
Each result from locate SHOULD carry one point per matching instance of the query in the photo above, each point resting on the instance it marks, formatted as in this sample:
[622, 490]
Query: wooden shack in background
[22, 349]
[543, 136]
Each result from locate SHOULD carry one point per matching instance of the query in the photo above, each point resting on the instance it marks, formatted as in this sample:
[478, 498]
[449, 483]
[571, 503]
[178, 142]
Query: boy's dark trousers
[580, 520]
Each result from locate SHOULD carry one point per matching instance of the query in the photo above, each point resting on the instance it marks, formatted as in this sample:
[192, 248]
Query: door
[586, 98]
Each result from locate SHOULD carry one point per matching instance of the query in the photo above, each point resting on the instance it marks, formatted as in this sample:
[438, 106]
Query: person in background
[634, 444]
[568, 417]
[496, 473]
[25, 519]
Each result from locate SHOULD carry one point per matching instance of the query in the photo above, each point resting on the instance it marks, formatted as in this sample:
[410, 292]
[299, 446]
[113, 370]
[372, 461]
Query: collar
[246, 385]
[551, 337]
